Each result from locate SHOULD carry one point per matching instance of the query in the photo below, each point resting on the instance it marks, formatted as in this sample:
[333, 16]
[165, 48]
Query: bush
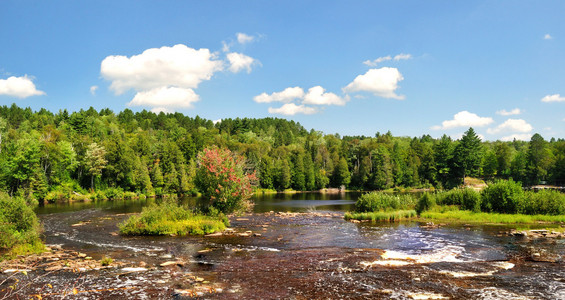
[168, 218]
[503, 196]
[222, 179]
[114, 193]
[544, 202]
[378, 201]
[467, 198]
[19, 226]
[426, 202]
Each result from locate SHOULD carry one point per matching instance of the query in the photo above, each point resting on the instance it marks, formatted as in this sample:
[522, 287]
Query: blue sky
[347, 67]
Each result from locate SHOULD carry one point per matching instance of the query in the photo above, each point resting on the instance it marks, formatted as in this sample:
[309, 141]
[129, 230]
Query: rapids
[308, 253]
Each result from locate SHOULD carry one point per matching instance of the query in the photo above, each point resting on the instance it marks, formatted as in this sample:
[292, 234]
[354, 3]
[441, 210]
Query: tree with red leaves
[222, 179]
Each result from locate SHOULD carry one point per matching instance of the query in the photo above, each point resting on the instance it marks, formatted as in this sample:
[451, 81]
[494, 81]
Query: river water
[300, 248]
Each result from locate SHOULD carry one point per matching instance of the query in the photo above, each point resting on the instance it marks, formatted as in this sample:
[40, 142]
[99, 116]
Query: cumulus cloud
[464, 119]
[375, 62]
[19, 87]
[166, 97]
[515, 111]
[93, 89]
[547, 36]
[179, 66]
[553, 98]
[381, 82]
[291, 109]
[518, 137]
[287, 95]
[511, 125]
[317, 96]
[161, 110]
[240, 62]
[243, 38]
[167, 77]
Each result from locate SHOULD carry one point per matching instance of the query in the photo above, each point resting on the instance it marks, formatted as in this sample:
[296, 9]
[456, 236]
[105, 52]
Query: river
[300, 248]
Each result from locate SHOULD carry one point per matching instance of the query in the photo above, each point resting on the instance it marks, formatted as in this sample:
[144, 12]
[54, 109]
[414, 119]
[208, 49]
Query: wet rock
[53, 268]
[214, 234]
[256, 234]
[172, 263]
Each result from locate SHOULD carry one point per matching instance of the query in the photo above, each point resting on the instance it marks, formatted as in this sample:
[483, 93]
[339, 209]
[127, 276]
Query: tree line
[154, 154]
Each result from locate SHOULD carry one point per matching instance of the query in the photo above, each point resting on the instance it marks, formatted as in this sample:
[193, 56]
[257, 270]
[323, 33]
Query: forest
[52, 156]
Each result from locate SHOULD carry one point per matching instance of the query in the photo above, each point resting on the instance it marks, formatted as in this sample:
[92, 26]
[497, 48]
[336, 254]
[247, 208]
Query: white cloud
[165, 97]
[375, 62]
[287, 95]
[402, 56]
[518, 137]
[515, 111]
[547, 36]
[93, 89]
[243, 38]
[382, 82]
[19, 87]
[179, 66]
[291, 109]
[464, 119]
[239, 61]
[217, 121]
[225, 47]
[317, 96]
[511, 125]
[553, 98]
[158, 110]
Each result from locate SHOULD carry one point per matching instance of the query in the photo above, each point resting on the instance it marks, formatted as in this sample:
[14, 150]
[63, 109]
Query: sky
[346, 67]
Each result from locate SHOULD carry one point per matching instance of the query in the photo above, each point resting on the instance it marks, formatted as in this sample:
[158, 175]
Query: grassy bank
[466, 216]
[168, 218]
[384, 216]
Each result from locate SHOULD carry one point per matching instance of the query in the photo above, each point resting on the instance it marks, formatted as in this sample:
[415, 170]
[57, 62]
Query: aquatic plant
[168, 218]
[379, 201]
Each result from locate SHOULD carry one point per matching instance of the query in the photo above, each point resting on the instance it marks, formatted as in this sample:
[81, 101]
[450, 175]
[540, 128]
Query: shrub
[19, 226]
[114, 193]
[378, 201]
[426, 202]
[467, 198]
[503, 196]
[222, 179]
[544, 202]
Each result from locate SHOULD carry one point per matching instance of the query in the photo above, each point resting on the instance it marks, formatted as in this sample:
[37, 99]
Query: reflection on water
[286, 202]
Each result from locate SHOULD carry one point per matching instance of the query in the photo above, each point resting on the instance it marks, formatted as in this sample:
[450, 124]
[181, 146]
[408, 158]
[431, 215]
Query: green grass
[168, 218]
[481, 217]
[390, 216]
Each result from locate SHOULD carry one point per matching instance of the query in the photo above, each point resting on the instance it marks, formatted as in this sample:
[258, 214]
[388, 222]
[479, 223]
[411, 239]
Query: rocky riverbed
[315, 255]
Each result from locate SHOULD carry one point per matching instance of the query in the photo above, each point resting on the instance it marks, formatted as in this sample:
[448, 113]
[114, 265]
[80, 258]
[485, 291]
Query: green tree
[94, 161]
[468, 155]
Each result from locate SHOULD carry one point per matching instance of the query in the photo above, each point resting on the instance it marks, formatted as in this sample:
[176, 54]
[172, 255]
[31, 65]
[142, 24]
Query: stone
[172, 263]
[214, 234]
